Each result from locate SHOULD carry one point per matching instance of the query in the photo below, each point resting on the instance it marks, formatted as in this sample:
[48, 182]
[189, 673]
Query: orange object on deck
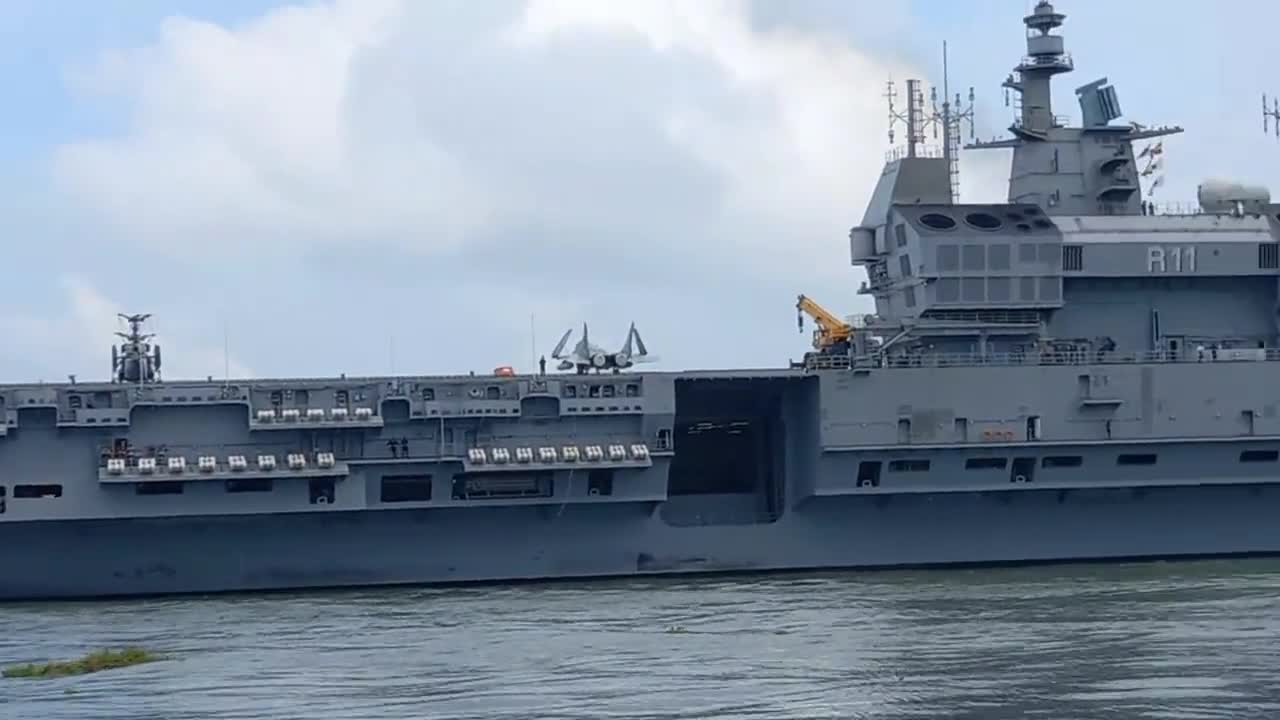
[504, 371]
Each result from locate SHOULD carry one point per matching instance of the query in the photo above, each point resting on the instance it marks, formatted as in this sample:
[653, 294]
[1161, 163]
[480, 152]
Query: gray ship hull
[193, 555]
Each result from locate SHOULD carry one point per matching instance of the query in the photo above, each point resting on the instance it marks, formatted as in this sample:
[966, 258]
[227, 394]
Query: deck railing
[1194, 355]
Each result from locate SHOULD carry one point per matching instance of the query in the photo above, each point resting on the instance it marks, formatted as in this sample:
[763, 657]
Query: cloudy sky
[363, 186]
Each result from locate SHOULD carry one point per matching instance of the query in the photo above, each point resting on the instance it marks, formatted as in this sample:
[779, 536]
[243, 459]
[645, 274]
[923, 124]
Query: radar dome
[1226, 196]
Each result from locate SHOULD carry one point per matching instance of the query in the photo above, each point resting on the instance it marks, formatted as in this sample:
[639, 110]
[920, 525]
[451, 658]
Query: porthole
[937, 222]
[1024, 227]
[1043, 224]
[1032, 211]
[982, 220]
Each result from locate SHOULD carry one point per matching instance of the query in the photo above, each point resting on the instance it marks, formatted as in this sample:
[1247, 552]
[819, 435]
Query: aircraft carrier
[1070, 375]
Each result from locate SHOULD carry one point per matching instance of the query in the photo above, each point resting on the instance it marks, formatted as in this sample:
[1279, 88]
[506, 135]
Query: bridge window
[948, 290]
[974, 257]
[999, 289]
[1027, 289]
[948, 258]
[998, 256]
[1049, 288]
[1259, 456]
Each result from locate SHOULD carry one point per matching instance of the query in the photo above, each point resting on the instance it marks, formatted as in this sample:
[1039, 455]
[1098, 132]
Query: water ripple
[1159, 640]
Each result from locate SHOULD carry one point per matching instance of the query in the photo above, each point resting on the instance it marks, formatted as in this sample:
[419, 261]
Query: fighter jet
[586, 357]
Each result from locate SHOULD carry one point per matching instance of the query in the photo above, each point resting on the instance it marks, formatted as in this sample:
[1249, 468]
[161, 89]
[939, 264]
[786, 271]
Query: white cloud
[453, 166]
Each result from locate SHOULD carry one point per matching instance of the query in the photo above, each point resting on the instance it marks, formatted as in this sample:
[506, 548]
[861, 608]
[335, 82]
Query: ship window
[428, 394]
[973, 289]
[1051, 255]
[998, 256]
[240, 485]
[909, 296]
[1137, 459]
[492, 393]
[900, 233]
[999, 289]
[1024, 227]
[948, 290]
[160, 487]
[909, 466]
[570, 391]
[974, 257]
[869, 473]
[982, 220]
[948, 258]
[593, 391]
[986, 463]
[1027, 289]
[37, 491]
[633, 390]
[608, 391]
[1049, 289]
[1026, 253]
[1043, 224]
[937, 222]
[904, 264]
[406, 488]
[1062, 461]
[1259, 456]
[600, 482]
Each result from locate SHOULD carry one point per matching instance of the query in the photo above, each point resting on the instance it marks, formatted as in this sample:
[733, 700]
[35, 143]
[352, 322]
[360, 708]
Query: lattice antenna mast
[1271, 114]
[913, 118]
[951, 118]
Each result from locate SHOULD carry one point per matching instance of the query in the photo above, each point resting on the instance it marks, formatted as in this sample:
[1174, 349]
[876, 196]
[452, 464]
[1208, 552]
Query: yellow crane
[831, 331]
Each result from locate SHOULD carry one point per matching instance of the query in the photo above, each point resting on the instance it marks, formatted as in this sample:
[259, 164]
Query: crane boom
[831, 329]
